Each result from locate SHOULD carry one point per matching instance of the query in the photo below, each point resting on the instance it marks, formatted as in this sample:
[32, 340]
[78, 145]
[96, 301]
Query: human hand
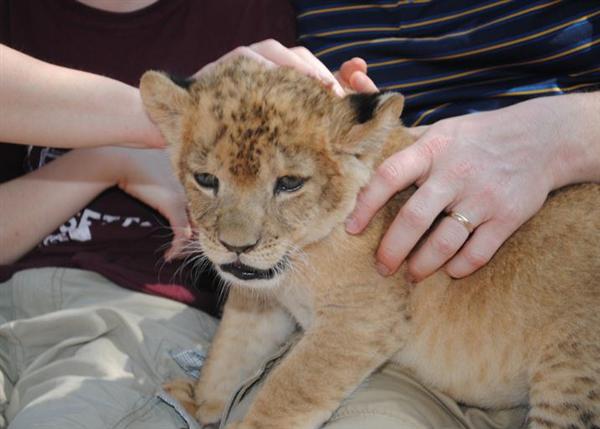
[272, 53]
[146, 174]
[353, 76]
[494, 168]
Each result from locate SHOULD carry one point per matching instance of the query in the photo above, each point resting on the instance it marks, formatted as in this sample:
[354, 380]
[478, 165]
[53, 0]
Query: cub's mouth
[246, 272]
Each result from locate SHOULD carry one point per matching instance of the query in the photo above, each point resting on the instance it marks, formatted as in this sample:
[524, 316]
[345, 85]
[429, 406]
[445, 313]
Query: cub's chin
[240, 274]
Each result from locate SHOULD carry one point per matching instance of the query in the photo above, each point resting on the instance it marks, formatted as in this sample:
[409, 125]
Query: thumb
[181, 236]
[182, 232]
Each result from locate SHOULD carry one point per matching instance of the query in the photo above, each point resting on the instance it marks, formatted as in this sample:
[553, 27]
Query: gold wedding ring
[463, 220]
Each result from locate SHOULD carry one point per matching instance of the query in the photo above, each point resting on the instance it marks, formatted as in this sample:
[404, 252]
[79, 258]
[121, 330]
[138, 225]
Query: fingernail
[382, 269]
[333, 85]
[326, 81]
[351, 225]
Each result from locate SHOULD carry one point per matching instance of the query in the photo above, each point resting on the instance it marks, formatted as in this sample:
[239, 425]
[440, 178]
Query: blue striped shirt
[451, 57]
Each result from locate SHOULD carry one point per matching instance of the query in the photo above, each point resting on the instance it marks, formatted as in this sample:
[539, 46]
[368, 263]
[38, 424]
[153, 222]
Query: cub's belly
[485, 373]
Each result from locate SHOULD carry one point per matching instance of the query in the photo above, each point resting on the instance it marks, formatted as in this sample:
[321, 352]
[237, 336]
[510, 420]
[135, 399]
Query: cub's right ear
[165, 101]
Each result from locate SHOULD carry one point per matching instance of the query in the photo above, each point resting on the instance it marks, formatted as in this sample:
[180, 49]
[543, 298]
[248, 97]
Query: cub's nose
[239, 249]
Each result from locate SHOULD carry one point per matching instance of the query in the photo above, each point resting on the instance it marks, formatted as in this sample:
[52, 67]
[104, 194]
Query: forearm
[34, 205]
[46, 105]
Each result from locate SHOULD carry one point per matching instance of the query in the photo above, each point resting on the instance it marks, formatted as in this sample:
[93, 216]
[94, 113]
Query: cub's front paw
[210, 411]
[183, 391]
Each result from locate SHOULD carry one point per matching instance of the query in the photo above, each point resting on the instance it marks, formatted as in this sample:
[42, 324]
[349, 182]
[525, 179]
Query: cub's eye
[289, 184]
[207, 181]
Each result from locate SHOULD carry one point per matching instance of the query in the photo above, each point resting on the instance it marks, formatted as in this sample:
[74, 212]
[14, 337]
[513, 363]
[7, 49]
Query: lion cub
[272, 163]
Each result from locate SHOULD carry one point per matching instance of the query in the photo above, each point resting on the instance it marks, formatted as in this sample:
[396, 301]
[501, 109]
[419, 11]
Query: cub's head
[270, 159]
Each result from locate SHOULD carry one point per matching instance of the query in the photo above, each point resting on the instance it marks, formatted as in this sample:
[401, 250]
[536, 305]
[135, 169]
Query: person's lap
[77, 351]
[392, 399]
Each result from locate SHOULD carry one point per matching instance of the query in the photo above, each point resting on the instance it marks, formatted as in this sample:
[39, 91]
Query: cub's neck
[399, 138]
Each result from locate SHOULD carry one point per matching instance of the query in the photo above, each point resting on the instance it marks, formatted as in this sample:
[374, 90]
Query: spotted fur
[525, 329]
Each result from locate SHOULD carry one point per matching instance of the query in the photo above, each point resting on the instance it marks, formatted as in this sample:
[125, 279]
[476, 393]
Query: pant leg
[8, 372]
[392, 399]
[92, 355]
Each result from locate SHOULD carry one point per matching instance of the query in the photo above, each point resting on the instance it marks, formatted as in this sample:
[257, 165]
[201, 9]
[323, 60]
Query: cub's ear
[166, 100]
[369, 106]
[372, 116]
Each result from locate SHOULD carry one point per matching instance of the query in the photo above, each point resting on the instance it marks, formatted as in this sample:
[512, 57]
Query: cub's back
[477, 338]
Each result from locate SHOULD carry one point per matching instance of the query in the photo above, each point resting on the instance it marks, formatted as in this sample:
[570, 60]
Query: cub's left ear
[372, 117]
[165, 99]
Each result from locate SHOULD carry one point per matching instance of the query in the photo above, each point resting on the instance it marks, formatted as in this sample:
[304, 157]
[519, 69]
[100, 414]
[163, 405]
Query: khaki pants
[78, 352]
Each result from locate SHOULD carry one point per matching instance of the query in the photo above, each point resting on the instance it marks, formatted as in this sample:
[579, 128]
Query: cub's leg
[565, 386]
[346, 343]
[250, 331]
[183, 391]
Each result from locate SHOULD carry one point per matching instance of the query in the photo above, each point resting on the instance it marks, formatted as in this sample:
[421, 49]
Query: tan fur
[523, 329]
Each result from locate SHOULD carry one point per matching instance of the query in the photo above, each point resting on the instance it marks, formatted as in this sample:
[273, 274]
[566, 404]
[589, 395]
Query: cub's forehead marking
[217, 110]
[247, 142]
[221, 133]
[257, 110]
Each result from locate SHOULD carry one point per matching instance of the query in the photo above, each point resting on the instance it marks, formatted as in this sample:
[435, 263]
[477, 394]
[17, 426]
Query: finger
[417, 132]
[349, 67]
[237, 52]
[337, 77]
[395, 173]
[360, 82]
[353, 74]
[442, 244]
[180, 225]
[412, 221]
[181, 236]
[479, 249]
[278, 54]
[325, 74]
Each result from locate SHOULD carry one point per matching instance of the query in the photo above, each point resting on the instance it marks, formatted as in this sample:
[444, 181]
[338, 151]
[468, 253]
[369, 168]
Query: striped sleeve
[452, 57]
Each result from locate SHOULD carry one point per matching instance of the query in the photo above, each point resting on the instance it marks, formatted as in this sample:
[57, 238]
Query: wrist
[570, 130]
[102, 166]
[586, 136]
[140, 130]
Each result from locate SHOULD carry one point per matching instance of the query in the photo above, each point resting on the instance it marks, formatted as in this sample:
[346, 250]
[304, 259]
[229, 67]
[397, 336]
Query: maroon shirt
[116, 235]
